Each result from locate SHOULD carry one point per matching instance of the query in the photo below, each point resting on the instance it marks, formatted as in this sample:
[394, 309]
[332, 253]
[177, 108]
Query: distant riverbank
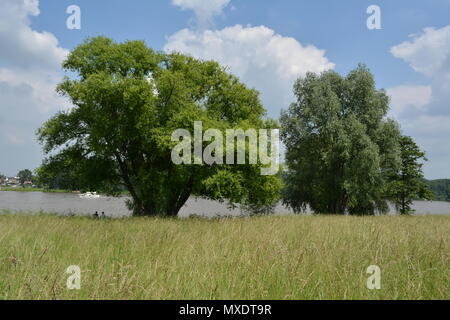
[20, 189]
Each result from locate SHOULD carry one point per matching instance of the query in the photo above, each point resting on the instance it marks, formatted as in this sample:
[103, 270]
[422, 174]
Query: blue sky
[339, 27]
[274, 33]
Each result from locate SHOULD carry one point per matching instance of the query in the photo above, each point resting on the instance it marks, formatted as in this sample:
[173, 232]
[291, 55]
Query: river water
[69, 203]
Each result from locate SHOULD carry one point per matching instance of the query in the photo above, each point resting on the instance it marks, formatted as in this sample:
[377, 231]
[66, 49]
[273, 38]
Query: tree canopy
[340, 146]
[127, 101]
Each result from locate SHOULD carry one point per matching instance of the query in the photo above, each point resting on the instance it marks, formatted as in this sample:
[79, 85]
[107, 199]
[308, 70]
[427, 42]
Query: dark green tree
[407, 183]
[340, 147]
[128, 100]
[73, 172]
[25, 175]
[440, 188]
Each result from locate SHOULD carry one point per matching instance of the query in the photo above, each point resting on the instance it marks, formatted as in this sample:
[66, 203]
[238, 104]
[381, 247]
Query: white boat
[90, 195]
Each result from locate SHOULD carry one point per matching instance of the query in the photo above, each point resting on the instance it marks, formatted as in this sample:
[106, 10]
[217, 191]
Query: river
[69, 203]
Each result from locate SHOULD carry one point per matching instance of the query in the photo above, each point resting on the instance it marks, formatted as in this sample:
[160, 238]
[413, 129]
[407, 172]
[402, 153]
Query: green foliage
[69, 170]
[128, 100]
[25, 175]
[407, 183]
[440, 189]
[340, 148]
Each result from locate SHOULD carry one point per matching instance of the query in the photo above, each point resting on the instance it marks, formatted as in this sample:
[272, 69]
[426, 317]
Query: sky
[267, 43]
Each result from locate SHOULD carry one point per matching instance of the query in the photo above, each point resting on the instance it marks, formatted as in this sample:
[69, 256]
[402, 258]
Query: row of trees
[343, 155]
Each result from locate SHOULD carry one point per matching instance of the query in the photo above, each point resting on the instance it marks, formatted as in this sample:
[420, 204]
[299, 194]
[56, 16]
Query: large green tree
[25, 175]
[128, 100]
[407, 183]
[340, 147]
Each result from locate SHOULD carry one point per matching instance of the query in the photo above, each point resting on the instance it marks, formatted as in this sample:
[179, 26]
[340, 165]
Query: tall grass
[276, 257]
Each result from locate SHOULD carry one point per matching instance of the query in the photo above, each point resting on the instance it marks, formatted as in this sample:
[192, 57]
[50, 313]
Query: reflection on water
[68, 203]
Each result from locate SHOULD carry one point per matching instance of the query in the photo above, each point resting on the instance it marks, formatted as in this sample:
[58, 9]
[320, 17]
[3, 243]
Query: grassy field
[275, 257]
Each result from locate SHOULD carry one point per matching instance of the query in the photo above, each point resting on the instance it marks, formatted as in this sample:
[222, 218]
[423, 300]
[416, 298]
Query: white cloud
[427, 52]
[261, 58]
[21, 46]
[204, 11]
[424, 111]
[29, 72]
[407, 98]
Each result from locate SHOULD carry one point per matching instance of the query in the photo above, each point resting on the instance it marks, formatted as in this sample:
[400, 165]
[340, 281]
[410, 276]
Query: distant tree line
[440, 189]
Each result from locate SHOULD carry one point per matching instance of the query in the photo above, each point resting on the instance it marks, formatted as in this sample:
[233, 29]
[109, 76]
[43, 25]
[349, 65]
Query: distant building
[12, 181]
